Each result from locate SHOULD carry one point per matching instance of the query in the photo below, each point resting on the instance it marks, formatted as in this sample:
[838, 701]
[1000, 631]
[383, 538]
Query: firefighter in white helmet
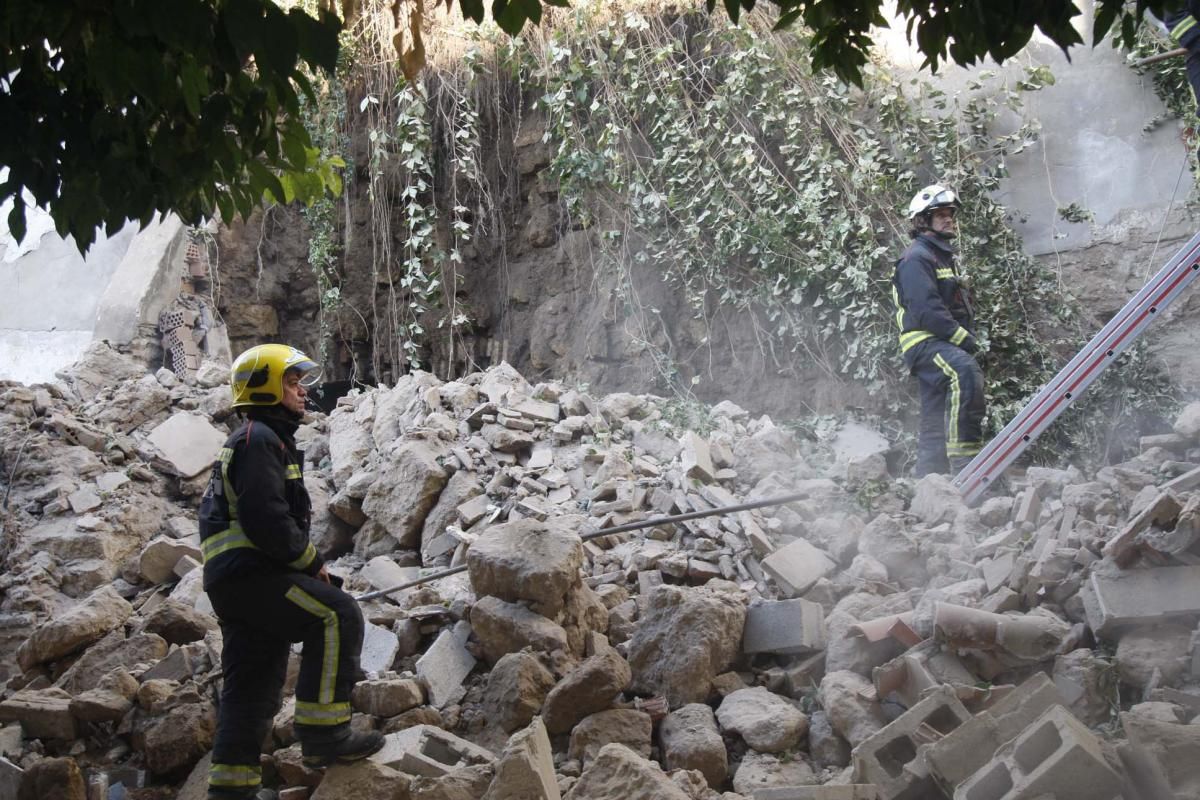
[936, 323]
[270, 588]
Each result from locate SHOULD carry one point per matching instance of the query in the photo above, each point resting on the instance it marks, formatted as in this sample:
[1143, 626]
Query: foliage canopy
[115, 109]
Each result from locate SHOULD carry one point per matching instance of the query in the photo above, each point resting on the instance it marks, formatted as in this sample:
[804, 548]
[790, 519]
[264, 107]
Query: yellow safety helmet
[257, 375]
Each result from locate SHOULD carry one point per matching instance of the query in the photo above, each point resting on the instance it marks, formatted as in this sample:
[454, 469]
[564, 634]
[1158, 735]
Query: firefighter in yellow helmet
[270, 588]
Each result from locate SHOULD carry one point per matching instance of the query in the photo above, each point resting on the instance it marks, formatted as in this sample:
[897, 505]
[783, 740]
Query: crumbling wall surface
[50, 300]
[57, 302]
[873, 638]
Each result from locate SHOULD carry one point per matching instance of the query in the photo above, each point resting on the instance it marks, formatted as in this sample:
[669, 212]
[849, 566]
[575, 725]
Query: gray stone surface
[186, 444]
[379, 649]
[444, 666]
[788, 627]
[797, 566]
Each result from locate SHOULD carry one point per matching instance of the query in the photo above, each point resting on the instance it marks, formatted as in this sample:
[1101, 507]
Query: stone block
[968, 748]
[1029, 507]
[186, 444]
[473, 510]
[159, 557]
[1119, 600]
[430, 751]
[384, 573]
[788, 627]
[387, 698]
[11, 740]
[84, 500]
[695, 457]
[379, 649]
[797, 566]
[1055, 756]
[43, 713]
[526, 768]
[444, 667]
[848, 791]
[894, 759]
[10, 779]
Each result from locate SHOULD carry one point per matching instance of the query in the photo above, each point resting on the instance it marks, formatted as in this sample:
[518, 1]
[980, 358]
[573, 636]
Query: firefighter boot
[321, 748]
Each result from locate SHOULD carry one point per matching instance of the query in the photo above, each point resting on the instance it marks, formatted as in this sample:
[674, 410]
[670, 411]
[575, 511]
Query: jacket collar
[937, 243]
[277, 418]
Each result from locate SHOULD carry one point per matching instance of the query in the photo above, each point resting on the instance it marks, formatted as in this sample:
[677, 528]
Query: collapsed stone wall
[875, 638]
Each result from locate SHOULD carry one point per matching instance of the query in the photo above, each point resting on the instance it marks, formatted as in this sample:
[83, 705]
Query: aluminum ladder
[1070, 383]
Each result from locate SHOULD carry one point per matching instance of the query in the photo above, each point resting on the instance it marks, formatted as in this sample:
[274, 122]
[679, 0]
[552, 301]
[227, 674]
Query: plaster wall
[54, 301]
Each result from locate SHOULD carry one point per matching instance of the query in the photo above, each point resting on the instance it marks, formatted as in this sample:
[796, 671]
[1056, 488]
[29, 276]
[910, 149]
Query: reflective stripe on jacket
[255, 513]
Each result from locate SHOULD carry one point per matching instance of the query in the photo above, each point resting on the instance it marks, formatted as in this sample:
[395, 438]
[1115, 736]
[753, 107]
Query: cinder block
[894, 758]
[790, 627]
[849, 791]
[1055, 756]
[430, 751]
[1119, 600]
[966, 750]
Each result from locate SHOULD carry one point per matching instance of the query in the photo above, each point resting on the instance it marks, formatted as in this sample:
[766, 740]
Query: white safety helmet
[931, 197]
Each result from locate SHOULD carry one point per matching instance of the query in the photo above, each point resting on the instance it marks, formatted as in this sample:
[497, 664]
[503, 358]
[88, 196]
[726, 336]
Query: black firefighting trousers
[260, 617]
[952, 405]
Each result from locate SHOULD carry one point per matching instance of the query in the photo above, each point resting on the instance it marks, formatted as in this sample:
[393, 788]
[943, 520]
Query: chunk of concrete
[528, 560]
[690, 739]
[626, 726]
[767, 722]
[797, 566]
[526, 768]
[379, 649]
[387, 697]
[102, 611]
[185, 445]
[159, 557]
[787, 627]
[1117, 600]
[43, 713]
[696, 459]
[430, 751]
[444, 667]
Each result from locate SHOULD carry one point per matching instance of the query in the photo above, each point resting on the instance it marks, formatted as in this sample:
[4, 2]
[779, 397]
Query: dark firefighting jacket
[932, 301]
[255, 514]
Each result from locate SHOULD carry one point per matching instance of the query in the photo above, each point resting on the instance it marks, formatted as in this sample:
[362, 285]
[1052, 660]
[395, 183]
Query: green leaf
[472, 10]
[16, 220]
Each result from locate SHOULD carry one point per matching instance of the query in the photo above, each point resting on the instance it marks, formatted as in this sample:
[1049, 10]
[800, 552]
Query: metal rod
[629, 526]
[1154, 59]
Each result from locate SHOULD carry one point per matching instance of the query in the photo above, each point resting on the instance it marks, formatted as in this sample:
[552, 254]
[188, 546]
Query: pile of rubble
[874, 639]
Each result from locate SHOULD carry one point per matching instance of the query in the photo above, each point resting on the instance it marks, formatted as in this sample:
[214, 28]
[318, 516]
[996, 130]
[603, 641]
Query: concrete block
[11, 741]
[695, 458]
[43, 713]
[159, 557]
[430, 751]
[973, 744]
[384, 573]
[538, 409]
[177, 666]
[1117, 601]
[1029, 508]
[379, 649]
[1055, 756]
[796, 567]
[10, 779]
[473, 510]
[789, 627]
[186, 444]
[894, 758]
[849, 791]
[444, 667]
